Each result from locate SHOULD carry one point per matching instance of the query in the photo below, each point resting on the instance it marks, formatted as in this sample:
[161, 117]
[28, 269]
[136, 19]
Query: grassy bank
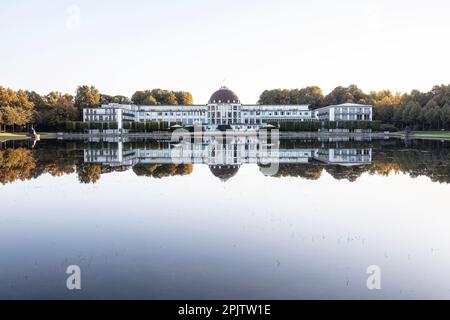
[432, 134]
[11, 135]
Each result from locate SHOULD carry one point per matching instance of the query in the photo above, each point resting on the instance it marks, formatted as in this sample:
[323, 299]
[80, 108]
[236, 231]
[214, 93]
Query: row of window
[100, 111]
[100, 118]
[352, 110]
[228, 101]
[353, 117]
[202, 114]
[217, 108]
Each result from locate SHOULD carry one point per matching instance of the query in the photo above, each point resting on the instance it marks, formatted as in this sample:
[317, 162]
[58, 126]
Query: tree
[54, 109]
[385, 98]
[107, 99]
[445, 115]
[432, 114]
[64, 110]
[312, 96]
[397, 117]
[149, 101]
[15, 108]
[89, 173]
[350, 94]
[411, 113]
[87, 97]
[11, 116]
[184, 98]
[138, 97]
[161, 97]
[164, 97]
[16, 164]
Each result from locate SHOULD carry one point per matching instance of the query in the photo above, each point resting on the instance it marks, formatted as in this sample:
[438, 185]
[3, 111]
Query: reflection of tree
[433, 163]
[384, 168]
[422, 158]
[89, 173]
[163, 170]
[54, 160]
[313, 171]
[16, 164]
[306, 171]
[351, 173]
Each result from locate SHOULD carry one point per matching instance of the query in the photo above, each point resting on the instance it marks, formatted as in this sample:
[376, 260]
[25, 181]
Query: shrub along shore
[283, 126]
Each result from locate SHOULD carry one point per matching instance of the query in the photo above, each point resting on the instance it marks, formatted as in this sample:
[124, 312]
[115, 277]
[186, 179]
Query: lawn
[11, 135]
[432, 134]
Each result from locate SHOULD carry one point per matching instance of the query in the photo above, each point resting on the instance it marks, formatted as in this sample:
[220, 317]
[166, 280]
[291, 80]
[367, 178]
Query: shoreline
[168, 135]
[425, 135]
[23, 136]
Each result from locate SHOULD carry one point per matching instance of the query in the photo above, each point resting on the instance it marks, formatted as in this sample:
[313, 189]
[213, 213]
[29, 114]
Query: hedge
[148, 126]
[78, 126]
[311, 126]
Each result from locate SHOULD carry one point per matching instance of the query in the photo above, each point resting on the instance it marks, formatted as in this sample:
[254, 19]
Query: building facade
[345, 112]
[225, 110]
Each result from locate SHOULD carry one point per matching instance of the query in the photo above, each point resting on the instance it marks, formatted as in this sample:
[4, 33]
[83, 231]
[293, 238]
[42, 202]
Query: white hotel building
[225, 110]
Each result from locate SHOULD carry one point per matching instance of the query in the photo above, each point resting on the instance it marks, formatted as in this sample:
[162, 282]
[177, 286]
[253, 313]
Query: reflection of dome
[224, 172]
[224, 95]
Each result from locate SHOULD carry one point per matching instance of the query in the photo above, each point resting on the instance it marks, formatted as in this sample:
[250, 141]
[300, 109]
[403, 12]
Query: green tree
[445, 115]
[350, 94]
[312, 96]
[89, 173]
[161, 97]
[397, 117]
[87, 97]
[432, 114]
[63, 110]
[411, 113]
[107, 99]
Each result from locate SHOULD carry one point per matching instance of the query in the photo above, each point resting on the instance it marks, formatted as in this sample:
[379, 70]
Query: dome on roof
[224, 95]
[224, 172]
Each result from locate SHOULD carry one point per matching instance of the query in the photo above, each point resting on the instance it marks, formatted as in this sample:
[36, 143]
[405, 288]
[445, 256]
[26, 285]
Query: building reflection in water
[225, 158]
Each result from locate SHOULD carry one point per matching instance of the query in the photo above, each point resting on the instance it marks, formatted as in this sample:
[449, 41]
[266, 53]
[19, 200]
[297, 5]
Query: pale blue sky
[124, 46]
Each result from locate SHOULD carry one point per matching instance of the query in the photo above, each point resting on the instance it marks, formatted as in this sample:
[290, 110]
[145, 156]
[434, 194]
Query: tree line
[22, 108]
[416, 110]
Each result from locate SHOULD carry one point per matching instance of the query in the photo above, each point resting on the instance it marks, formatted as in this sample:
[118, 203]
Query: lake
[238, 219]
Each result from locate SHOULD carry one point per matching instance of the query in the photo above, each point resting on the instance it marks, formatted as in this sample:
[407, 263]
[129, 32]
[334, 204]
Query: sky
[199, 45]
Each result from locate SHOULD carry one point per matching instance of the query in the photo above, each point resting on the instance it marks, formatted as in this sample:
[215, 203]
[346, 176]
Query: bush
[388, 127]
[139, 126]
[311, 126]
[127, 125]
[70, 126]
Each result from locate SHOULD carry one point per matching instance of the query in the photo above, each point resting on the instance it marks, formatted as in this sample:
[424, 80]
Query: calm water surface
[142, 224]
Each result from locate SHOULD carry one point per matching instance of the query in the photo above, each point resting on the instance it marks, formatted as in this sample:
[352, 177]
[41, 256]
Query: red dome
[224, 95]
[225, 172]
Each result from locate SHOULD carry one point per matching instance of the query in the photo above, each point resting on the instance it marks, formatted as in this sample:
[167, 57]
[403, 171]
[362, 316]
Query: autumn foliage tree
[16, 110]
